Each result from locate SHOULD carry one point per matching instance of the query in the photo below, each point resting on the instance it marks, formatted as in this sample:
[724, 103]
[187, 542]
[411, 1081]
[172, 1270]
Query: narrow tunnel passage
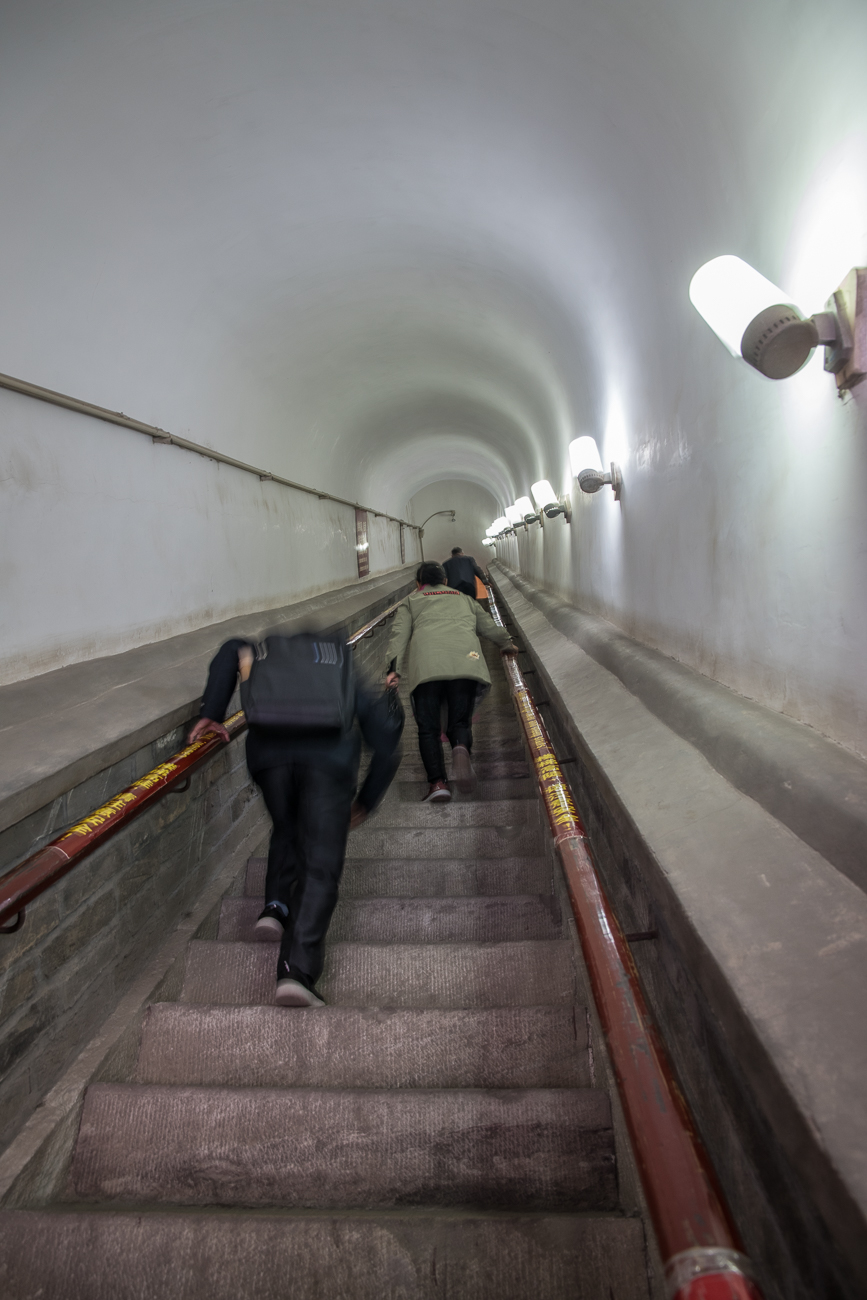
[297, 295]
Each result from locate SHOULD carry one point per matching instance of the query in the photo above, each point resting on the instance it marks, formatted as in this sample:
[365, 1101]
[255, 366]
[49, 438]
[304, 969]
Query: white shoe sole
[268, 930]
[292, 994]
[441, 796]
[463, 771]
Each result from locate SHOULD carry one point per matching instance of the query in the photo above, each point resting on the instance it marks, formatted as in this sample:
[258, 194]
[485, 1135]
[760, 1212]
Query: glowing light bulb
[729, 294]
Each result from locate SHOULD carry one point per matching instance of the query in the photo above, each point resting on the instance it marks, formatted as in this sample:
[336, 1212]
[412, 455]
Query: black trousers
[459, 696]
[309, 807]
[468, 588]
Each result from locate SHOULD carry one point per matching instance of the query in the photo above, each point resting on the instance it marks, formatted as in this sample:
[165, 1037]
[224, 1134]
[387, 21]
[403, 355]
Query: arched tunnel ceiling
[372, 243]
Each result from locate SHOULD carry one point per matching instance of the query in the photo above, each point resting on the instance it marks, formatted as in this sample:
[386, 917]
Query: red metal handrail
[44, 868]
[699, 1244]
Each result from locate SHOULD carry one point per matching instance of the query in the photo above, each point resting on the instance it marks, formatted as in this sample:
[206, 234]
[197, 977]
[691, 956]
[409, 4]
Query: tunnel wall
[111, 541]
[473, 506]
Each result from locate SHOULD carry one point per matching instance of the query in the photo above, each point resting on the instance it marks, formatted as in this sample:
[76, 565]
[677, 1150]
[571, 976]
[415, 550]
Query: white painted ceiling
[371, 244]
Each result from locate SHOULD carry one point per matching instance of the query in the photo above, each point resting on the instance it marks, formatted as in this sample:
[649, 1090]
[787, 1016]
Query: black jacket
[462, 568]
[267, 747]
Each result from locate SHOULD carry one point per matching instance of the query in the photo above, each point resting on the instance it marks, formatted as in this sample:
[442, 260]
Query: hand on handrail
[207, 724]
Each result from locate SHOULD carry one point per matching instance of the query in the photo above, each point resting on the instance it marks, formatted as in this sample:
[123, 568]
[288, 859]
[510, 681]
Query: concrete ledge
[806, 781]
[61, 728]
[759, 975]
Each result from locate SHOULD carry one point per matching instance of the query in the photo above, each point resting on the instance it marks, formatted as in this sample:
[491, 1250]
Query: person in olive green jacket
[435, 644]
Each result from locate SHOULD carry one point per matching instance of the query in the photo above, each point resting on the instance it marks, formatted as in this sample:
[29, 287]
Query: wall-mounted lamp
[528, 514]
[549, 503]
[514, 515]
[757, 321]
[587, 467]
[488, 541]
[500, 526]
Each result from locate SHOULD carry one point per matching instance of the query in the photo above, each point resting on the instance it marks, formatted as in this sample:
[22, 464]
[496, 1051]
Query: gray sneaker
[463, 772]
[270, 925]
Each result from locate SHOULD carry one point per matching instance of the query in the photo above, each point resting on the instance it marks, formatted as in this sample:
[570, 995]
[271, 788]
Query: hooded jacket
[435, 637]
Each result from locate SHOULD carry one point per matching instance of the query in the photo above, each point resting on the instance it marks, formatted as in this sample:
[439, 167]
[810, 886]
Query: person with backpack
[435, 643]
[302, 699]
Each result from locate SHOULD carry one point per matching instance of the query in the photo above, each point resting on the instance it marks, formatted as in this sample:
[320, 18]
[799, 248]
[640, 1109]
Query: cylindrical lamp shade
[544, 494]
[729, 294]
[514, 515]
[500, 525]
[584, 454]
[525, 505]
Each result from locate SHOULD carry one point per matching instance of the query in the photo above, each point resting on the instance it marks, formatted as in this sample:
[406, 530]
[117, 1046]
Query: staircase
[433, 1131]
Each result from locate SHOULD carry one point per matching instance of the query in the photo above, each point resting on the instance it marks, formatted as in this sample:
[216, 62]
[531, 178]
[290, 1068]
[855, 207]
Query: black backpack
[302, 683]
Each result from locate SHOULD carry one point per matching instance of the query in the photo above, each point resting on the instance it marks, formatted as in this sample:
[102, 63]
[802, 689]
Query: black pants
[459, 696]
[309, 807]
[468, 588]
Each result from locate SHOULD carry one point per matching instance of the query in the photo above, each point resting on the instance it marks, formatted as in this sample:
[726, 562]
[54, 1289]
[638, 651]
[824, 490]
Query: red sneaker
[438, 793]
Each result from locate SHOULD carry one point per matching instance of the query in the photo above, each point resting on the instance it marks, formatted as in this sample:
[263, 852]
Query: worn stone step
[417, 920]
[498, 812]
[489, 748]
[515, 769]
[511, 839]
[534, 972]
[272, 1254]
[396, 878]
[263, 1047]
[408, 790]
[534, 1149]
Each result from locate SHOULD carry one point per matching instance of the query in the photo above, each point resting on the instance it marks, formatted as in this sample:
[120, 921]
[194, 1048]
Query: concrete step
[397, 878]
[263, 1047]
[512, 839]
[417, 920]
[406, 790]
[436, 975]
[499, 812]
[534, 1149]
[270, 1255]
[485, 747]
[515, 769]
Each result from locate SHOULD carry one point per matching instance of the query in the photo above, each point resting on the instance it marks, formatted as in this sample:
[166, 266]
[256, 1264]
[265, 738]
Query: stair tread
[457, 813]
[408, 878]
[348, 1047]
[530, 972]
[536, 1148]
[416, 920]
[512, 838]
[211, 1255]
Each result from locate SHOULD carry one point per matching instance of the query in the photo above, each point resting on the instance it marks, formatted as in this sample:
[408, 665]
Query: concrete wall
[475, 509]
[111, 541]
[85, 939]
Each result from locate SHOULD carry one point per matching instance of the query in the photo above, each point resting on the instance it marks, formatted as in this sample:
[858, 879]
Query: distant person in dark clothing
[307, 781]
[461, 572]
